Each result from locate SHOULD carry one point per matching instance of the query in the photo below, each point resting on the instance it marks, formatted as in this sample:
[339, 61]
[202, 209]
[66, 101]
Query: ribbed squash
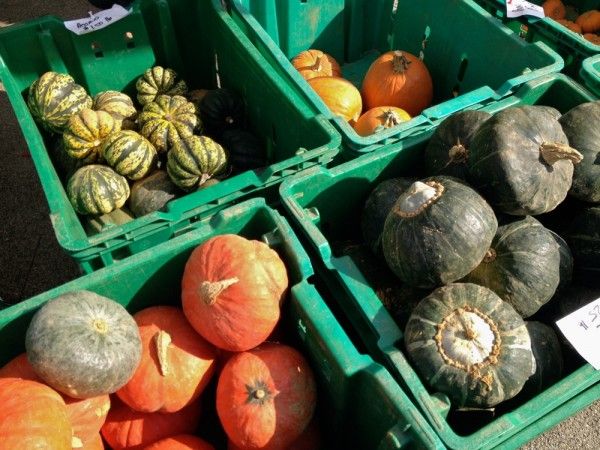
[167, 120]
[221, 109]
[156, 81]
[54, 97]
[152, 193]
[380, 118]
[117, 104]
[244, 150]
[437, 232]
[83, 344]
[97, 189]
[314, 63]
[129, 154]
[181, 442]
[469, 344]
[194, 160]
[86, 131]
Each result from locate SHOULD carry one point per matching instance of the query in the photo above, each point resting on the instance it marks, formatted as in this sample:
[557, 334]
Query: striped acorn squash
[86, 131]
[166, 120]
[156, 81]
[129, 153]
[194, 160]
[97, 189]
[54, 97]
[117, 104]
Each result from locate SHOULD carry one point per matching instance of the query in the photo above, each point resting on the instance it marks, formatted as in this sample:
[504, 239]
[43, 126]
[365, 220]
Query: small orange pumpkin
[315, 63]
[266, 397]
[398, 78]
[181, 442]
[555, 9]
[589, 21]
[379, 118]
[570, 25]
[340, 96]
[232, 289]
[593, 38]
[176, 365]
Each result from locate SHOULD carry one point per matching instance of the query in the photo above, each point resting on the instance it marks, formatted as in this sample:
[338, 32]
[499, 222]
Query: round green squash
[97, 189]
[83, 344]
[167, 120]
[522, 265]
[152, 193]
[157, 81]
[469, 344]
[566, 262]
[448, 149]
[221, 109]
[194, 160]
[437, 232]
[378, 206]
[244, 150]
[582, 127]
[521, 162]
[129, 154]
[86, 131]
[583, 237]
[54, 97]
[117, 104]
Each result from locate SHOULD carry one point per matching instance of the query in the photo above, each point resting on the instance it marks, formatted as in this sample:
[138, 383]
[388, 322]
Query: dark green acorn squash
[448, 149]
[86, 131]
[244, 150]
[221, 109]
[83, 344]
[96, 189]
[377, 207]
[54, 97]
[152, 193]
[117, 104]
[129, 154]
[469, 344]
[583, 237]
[437, 232]
[158, 81]
[522, 265]
[582, 127]
[520, 160]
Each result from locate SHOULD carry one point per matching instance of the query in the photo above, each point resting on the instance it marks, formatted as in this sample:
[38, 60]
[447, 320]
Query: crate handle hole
[129, 39]
[462, 69]
[97, 50]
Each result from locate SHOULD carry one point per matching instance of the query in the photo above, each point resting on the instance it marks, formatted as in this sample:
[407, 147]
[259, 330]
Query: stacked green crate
[590, 73]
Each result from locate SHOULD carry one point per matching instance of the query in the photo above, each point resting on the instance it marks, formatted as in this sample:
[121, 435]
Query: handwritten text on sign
[97, 20]
[516, 8]
[582, 329]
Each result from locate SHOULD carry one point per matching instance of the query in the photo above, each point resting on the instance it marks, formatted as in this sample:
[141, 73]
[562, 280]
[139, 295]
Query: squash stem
[162, 339]
[555, 151]
[389, 119]
[399, 62]
[210, 290]
[458, 153]
[490, 255]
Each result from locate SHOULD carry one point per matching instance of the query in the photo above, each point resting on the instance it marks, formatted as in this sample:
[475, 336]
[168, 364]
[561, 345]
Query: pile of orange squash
[396, 87]
[587, 23]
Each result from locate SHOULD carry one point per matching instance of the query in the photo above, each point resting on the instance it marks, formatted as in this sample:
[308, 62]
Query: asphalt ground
[31, 261]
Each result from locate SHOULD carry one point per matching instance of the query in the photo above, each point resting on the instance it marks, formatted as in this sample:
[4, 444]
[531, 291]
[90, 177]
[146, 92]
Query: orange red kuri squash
[340, 96]
[570, 25]
[181, 442]
[94, 443]
[380, 118]
[314, 63]
[555, 9]
[232, 289]
[589, 21]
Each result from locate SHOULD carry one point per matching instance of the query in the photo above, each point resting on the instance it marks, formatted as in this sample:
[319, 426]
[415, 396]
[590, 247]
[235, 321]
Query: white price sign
[97, 20]
[516, 8]
[582, 329]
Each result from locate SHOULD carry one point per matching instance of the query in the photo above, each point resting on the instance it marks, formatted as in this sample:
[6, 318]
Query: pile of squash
[93, 373]
[586, 24]
[472, 271]
[396, 87]
[112, 151]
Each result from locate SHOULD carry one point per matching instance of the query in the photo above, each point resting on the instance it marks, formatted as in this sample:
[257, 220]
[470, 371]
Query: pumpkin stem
[100, 326]
[317, 66]
[389, 119]
[259, 393]
[490, 255]
[555, 151]
[419, 197]
[458, 153]
[210, 290]
[162, 339]
[400, 62]
[203, 179]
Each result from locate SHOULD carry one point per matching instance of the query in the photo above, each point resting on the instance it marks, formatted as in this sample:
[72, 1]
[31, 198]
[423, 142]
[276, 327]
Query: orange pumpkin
[314, 63]
[340, 96]
[181, 442]
[95, 443]
[570, 25]
[266, 397]
[32, 415]
[400, 79]
[379, 118]
[589, 21]
[593, 38]
[310, 439]
[232, 289]
[133, 430]
[554, 9]
[85, 415]
[176, 365]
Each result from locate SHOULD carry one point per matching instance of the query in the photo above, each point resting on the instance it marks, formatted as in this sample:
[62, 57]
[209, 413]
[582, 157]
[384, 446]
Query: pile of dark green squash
[112, 152]
[502, 228]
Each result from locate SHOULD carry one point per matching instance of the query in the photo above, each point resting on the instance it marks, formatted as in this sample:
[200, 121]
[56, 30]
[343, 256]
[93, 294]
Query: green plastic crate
[590, 73]
[571, 46]
[191, 37]
[472, 58]
[359, 404]
[325, 206]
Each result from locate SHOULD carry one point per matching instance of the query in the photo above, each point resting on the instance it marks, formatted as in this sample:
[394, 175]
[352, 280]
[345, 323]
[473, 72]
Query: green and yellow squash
[157, 81]
[97, 189]
[85, 133]
[129, 154]
[117, 104]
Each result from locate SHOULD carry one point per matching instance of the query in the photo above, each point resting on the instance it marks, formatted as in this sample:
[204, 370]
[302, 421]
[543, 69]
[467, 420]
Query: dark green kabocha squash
[469, 344]
[583, 237]
[85, 133]
[377, 207]
[448, 149]
[437, 232]
[221, 109]
[244, 150]
[566, 262]
[130, 154]
[582, 127]
[158, 81]
[522, 265]
[521, 162]
[97, 189]
[54, 97]
[152, 193]
[83, 344]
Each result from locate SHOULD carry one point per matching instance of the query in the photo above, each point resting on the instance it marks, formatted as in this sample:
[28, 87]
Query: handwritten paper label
[97, 20]
[516, 8]
[582, 329]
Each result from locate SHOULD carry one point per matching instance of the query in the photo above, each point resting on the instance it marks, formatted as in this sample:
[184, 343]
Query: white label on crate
[582, 329]
[98, 20]
[516, 8]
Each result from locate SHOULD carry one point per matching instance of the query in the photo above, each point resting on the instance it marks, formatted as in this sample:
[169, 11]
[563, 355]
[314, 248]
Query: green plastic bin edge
[590, 73]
